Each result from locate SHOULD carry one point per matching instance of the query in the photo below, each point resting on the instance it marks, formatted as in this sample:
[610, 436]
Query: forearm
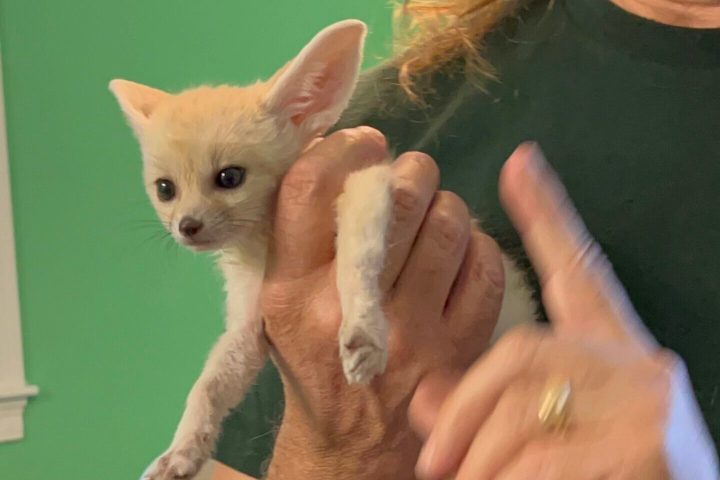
[223, 472]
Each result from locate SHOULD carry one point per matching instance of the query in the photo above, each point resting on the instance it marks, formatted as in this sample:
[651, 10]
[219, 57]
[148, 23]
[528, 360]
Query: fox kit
[213, 158]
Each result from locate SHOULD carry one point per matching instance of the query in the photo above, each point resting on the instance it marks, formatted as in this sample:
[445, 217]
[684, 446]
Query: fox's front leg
[364, 211]
[232, 366]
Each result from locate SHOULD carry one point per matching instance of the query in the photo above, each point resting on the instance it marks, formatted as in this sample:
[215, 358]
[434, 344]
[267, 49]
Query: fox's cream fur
[188, 139]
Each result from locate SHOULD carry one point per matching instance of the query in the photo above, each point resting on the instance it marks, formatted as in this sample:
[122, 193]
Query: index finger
[580, 290]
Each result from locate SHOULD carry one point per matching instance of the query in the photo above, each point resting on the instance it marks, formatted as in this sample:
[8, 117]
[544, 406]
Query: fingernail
[424, 468]
[312, 144]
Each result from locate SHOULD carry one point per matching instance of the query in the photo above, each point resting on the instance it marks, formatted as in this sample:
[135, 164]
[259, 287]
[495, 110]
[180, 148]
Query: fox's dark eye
[231, 177]
[165, 189]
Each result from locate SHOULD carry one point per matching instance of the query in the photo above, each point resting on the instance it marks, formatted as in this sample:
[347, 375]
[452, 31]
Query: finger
[580, 291]
[510, 425]
[472, 401]
[562, 459]
[474, 303]
[415, 180]
[429, 396]
[541, 211]
[435, 258]
[304, 228]
[513, 424]
[528, 350]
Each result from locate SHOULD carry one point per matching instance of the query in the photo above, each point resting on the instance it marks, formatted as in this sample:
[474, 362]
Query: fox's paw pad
[362, 358]
[177, 464]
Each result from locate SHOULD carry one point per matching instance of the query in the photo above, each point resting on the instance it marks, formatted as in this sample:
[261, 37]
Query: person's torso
[628, 113]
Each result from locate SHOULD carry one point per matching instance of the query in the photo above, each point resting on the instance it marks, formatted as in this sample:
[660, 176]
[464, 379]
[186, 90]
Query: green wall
[117, 321]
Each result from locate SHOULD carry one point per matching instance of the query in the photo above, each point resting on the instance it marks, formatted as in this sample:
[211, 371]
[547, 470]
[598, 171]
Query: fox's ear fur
[313, 89]
[137, 102]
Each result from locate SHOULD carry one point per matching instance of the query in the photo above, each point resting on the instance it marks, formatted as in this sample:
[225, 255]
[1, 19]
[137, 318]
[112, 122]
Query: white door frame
[14, 391]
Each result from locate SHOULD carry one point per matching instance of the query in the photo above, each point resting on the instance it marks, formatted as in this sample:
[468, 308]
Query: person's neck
[678, 13]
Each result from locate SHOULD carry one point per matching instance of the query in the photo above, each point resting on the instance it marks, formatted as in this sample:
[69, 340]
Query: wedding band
[554, 408]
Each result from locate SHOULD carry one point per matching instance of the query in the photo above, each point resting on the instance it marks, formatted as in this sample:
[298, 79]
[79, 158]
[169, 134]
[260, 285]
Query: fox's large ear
[137, 102]
[313, 89]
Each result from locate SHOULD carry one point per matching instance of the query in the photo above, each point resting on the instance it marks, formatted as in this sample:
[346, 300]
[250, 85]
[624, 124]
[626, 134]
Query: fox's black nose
[190, 226]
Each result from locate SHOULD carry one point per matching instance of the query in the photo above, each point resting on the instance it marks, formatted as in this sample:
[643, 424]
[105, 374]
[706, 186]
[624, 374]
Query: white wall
[14, 392]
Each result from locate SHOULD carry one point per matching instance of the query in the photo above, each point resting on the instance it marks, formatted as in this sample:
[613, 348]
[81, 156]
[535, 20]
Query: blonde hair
[430, 34]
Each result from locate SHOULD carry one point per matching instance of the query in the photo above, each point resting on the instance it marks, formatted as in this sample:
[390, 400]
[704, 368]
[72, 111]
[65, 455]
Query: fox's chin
[211, 243]
[201, 245]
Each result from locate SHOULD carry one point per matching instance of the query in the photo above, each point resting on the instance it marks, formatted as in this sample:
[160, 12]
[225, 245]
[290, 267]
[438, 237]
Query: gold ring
[554, 408]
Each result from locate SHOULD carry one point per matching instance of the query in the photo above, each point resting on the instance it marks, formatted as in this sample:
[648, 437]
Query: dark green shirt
[628, 112]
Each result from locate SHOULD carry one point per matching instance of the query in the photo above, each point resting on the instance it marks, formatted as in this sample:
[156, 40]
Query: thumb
[581, 293]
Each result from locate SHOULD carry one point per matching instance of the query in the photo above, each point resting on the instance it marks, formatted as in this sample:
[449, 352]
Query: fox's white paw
[363, 354]
[181, 461]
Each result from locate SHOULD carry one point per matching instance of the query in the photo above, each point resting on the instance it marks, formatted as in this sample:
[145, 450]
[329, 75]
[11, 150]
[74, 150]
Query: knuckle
[517, 340]
[667, 363]
[663, 379]
[487, 267]
[446, 229]
[410, 194]
[487, 244]
[407, 200]
[515, 408]
[663, 369]
[448, 221]
[422, 163]
[478, 272]
[373, 136]
[519, 346]
[366, 139]
[595, 257]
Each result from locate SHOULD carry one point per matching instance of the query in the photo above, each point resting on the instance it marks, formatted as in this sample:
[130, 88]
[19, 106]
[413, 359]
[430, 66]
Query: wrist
[361, 443]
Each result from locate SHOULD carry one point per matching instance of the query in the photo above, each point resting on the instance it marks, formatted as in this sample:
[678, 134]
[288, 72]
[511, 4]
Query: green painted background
[117, 322]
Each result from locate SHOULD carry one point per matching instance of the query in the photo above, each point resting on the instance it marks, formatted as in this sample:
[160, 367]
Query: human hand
[632, 409]
[443, 284]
